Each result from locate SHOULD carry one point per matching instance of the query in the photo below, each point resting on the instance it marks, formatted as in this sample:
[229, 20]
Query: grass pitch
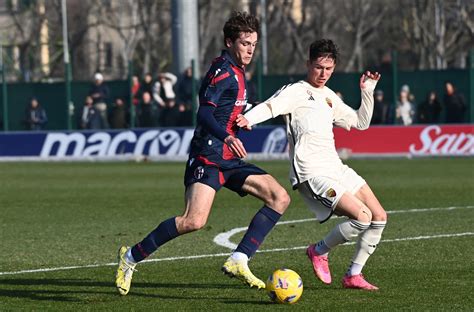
[60, 215]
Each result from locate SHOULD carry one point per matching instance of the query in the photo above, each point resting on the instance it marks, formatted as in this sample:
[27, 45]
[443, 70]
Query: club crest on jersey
[199, 172]
[328, 100]
[311, 98]
[331, 193]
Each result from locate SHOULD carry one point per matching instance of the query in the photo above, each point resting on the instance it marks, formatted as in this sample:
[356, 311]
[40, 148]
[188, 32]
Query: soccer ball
[284, 286]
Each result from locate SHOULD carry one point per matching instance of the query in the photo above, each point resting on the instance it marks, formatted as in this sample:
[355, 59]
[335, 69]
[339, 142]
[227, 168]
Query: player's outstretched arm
[346, 117]
[368, 82]
[256, 115]
[279, 103]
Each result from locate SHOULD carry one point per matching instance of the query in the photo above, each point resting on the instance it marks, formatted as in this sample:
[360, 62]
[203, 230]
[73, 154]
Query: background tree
[428, 34]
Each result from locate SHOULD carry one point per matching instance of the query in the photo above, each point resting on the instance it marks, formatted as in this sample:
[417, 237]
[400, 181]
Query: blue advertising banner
[166, 143]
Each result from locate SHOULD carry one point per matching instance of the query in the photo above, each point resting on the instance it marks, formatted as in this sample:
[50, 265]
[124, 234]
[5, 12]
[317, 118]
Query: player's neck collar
[310, 84]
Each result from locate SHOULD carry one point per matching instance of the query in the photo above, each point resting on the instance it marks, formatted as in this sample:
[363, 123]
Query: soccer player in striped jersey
[215, 161]
[327, 185]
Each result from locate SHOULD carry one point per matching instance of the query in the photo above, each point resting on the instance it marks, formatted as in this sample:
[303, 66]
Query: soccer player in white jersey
[327, 185]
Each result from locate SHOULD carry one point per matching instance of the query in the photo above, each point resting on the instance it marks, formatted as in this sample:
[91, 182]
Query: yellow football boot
[240, 270]
[125, 270]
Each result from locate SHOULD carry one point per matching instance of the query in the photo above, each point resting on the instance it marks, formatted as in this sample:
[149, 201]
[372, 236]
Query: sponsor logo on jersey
[311, 98]
[331, 193]
[199, 172]
[328, 100]
[240, 103]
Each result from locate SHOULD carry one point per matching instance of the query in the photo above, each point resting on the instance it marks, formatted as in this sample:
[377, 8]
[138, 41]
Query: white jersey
[310, 113]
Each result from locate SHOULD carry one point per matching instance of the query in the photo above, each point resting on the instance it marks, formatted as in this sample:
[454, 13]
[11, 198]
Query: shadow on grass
[256, 302]
[95, 283]
[80, 290]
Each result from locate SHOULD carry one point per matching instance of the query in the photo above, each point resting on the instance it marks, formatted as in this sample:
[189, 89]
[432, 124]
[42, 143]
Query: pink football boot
[320, 265]
[357, 282]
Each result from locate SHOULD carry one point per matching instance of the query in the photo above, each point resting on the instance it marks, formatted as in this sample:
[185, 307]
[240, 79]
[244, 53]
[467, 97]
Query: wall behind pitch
[52, 95]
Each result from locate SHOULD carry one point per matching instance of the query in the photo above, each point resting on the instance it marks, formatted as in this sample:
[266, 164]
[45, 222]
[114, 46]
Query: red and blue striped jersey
[224, 88]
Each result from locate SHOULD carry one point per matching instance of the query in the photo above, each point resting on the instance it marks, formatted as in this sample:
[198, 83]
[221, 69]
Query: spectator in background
[454, 104]
[36, 117]
[381, 109]
[185, 98]
[119, 115]
[147, 112]
[100, 95]
[430, 109]
[147, 84]
[90, 117]
[411, 96]
[405, 110]
[165, 96]
[136, 94]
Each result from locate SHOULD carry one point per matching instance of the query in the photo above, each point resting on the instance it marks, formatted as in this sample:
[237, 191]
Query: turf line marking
[223, 239]
[424, 237]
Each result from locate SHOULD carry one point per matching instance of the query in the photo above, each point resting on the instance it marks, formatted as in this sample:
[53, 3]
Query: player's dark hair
[240, 22]
[323, 48]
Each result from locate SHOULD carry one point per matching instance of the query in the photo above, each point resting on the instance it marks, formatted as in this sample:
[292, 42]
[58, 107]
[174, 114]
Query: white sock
[344, 232]
[239, 256]
[366, 246]
[129, 257]
[354, 269]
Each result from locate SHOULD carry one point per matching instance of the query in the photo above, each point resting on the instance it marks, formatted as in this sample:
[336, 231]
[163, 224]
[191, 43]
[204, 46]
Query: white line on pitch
[226, 254]
[223, 239]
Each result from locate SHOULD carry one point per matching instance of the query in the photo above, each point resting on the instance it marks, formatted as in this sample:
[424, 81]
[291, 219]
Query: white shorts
[322, 194]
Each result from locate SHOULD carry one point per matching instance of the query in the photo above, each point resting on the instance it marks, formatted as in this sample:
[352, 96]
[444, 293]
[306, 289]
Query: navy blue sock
[165, 232]
[262, 223]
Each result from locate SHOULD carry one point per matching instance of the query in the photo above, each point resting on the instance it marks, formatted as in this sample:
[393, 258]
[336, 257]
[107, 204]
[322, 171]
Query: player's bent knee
[365, 215]
[285, 199]
[379, 216]
[280, 201]
[190, 225]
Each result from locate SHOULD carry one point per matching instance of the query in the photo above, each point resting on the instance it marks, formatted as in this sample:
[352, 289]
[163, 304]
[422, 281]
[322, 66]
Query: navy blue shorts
[200, 169]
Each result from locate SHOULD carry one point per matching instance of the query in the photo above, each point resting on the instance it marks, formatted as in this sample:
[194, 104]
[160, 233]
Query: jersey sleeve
[278, 104]
[346, 117]
[213, 87]
[205, 117]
